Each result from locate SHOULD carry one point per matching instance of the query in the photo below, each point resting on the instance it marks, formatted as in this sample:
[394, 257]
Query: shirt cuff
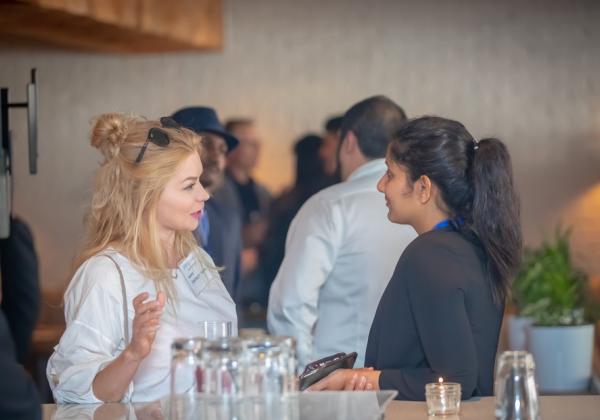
[74, 385]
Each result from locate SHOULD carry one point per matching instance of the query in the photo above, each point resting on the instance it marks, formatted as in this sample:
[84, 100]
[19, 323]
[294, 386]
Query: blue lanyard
[441, 225]
[455, 223]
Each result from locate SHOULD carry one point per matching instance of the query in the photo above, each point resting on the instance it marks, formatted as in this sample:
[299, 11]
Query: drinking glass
[185, 377]
[271, 366]
[184, 364]
[515, 387]
[222, 367]
[215, 329]
[290, 363]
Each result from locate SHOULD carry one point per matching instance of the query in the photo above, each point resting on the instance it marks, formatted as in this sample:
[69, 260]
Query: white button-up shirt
[340, 253]
[94, 336]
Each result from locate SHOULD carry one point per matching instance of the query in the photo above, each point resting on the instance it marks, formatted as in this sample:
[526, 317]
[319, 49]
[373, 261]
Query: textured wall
[527, 72]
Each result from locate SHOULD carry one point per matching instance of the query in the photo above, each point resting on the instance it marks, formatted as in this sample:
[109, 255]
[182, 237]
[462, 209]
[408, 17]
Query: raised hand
[145, 324]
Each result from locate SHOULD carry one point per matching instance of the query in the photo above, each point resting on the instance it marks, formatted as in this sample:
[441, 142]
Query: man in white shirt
[341, 249]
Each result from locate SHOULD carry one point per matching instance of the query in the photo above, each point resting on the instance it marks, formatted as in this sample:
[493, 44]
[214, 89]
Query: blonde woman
[141, 258]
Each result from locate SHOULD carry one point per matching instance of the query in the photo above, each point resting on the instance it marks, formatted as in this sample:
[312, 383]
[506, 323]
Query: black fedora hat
[203, 119]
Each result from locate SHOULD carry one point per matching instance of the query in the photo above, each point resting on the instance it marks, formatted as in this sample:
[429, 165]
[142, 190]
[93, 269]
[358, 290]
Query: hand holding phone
[317, 370]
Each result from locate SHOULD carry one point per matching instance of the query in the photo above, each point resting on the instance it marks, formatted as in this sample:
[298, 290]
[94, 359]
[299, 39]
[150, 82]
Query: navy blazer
[224, 243]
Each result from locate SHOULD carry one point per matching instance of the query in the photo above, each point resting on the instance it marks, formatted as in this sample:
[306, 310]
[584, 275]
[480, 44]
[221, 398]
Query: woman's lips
[197, 214]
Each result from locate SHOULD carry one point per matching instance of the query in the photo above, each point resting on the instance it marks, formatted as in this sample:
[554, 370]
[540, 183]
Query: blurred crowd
[244, 225]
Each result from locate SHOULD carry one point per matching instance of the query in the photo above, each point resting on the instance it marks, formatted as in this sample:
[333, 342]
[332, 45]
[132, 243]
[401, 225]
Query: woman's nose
[202, 193]
[381, 184]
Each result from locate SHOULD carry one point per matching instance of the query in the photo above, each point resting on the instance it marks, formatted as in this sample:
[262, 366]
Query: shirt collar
[372, 167]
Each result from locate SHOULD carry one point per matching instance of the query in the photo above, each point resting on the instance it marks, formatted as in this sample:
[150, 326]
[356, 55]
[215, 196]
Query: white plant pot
[518, 331]
[563, 357]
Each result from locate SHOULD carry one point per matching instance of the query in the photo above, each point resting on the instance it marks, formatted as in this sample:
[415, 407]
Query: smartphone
[319, 369]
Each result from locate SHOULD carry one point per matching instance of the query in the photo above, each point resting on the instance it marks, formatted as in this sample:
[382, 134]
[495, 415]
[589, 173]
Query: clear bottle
[515, 387]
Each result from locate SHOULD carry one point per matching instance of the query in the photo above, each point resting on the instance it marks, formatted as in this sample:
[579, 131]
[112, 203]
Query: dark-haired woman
[441, 312]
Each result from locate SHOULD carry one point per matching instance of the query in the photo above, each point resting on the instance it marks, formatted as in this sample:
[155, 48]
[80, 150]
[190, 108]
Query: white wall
[527, 72]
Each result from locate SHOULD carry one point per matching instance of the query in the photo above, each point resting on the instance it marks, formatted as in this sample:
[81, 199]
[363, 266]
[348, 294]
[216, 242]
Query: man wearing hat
[219, 229]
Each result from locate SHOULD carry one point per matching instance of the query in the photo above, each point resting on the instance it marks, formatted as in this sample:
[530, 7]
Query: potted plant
[517, 322]
[551, 290]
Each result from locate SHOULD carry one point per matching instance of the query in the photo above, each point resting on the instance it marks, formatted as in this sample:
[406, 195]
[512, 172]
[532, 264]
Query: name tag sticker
[195, 274]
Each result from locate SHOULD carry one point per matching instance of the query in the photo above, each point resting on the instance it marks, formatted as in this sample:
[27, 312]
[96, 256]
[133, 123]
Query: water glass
[270, 366]
[215, 329]
[290, 363]
[222, 367]
[515, 387]
[185, 378]
[184, 365]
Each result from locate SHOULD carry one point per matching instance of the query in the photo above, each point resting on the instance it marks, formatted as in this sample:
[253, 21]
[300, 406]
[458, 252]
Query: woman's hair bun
[109, 132]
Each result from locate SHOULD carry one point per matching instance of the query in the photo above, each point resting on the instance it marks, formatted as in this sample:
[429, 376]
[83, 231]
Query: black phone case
[313, 376]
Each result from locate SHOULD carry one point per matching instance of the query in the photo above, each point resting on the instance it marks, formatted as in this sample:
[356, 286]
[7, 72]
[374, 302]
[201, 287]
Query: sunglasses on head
[158, 136]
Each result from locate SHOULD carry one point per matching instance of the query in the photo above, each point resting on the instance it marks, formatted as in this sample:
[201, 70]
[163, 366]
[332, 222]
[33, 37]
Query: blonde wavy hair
[122, 214]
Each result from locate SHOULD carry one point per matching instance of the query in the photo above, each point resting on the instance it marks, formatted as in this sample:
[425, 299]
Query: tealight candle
[443, 398]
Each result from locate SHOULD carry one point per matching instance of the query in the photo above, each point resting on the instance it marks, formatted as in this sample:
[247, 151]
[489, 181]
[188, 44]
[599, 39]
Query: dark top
[18, 395]
[225, 243]
[251, 200]
[20, 285]
[436, 318]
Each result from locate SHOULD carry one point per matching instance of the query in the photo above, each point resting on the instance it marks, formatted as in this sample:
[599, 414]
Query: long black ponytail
[476, 183]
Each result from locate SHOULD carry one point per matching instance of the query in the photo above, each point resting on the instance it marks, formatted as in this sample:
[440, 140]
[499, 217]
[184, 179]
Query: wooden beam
[115, 26]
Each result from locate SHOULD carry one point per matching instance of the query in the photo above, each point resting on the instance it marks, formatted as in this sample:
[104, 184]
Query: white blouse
[94, 336]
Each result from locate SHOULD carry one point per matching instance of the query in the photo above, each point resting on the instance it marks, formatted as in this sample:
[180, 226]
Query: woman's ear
[425, 189]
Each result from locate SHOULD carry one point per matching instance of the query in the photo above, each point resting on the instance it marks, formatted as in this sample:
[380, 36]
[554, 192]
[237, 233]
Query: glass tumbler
[184, 365]
[215, 329]
[185, 385]
[271, 366]
[290, 363]
[222, 367]
[515, 387]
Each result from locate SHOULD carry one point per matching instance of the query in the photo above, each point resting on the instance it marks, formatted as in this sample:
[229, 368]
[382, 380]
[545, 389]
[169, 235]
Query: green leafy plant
[549, 288]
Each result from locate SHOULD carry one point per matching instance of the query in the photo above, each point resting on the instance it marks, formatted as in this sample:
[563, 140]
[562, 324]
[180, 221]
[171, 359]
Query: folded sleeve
[436, 295]
[94, 334]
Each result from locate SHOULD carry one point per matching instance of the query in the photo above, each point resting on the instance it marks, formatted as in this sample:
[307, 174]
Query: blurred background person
[19, 269]
[329, 148]
[219, 230]
[252, 201]
[19, 398]
[340, 250]
[310, 178]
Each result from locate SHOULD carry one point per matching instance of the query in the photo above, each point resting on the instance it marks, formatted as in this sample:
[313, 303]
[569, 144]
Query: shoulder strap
[125, 320]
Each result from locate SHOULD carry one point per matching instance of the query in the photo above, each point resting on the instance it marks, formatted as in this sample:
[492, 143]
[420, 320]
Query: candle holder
[443, 398]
